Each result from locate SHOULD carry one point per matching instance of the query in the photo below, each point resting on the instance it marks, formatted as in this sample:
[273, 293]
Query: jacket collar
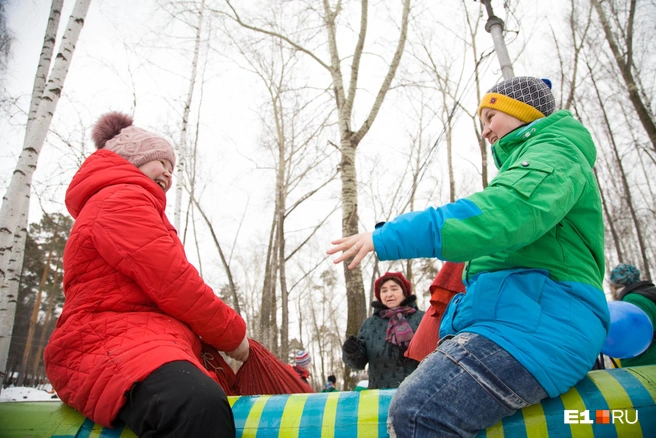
[103, 169]
[638, 285]
[506, 145]
[577, 134]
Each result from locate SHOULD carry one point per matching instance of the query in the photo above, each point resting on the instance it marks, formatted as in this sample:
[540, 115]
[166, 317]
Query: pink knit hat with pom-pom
[114, 132]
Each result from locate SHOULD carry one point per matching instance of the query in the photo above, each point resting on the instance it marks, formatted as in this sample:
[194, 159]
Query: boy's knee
[401, 410]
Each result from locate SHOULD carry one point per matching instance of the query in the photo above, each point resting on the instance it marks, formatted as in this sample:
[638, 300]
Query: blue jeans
[469, 383]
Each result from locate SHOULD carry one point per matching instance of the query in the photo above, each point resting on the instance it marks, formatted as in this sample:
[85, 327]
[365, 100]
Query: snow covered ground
[22, 393]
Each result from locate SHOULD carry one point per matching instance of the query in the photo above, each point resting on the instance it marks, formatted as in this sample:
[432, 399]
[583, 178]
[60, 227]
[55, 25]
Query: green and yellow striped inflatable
[630, 392]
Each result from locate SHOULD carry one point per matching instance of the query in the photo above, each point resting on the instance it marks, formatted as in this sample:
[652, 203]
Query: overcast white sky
[106, 69]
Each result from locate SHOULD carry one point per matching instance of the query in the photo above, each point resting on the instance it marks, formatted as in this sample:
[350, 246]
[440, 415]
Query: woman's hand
[356, 246]
[351, 346]
[241, 353]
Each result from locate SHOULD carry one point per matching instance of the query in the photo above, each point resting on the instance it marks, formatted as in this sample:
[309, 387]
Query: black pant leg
[178, 400]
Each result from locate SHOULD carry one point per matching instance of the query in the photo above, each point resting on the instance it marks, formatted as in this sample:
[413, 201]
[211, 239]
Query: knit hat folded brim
[524, 97]
[524, 112]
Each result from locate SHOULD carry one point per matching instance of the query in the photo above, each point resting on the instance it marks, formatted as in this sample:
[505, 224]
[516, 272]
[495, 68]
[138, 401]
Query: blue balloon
[631, 331]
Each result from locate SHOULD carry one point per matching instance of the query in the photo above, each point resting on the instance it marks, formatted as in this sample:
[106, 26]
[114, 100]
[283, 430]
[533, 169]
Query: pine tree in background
[40, 297]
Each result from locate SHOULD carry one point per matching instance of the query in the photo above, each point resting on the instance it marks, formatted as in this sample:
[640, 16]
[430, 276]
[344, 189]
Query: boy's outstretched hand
[356, 246]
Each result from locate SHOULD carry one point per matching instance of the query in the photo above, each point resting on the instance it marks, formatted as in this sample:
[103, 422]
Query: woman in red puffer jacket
[127, 343]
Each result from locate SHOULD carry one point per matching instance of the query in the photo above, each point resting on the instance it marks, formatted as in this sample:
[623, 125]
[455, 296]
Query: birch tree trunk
[182, 146]
[15, 203]
[10, 270]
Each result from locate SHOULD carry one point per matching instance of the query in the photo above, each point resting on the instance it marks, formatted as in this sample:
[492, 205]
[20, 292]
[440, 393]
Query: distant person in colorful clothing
[330, 384]
[384, 337]
[626, 286]
[302, 363]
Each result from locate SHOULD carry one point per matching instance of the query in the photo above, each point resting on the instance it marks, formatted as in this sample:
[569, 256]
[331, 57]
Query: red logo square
[603, 417]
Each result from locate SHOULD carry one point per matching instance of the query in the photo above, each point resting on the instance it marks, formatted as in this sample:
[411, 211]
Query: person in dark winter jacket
[384, 337]
[127, 344]
[626, 286]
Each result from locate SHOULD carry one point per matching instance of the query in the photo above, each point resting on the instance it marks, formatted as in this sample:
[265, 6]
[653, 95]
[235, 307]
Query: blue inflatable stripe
[554, 415]
[636, 390]
[241, 408]
[112, 433]
[514, 426]
[347, 412]
[85, 429]
[312, 418]
[272, 413]
[595, 401]
[384, 399]
[640, 399]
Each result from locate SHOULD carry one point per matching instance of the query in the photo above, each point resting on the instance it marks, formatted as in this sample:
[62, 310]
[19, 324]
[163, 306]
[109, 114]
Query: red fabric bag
[264, 373]
[445, 286]
[214, 362]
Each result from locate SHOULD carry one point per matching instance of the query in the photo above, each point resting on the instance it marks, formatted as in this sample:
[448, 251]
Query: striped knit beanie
[303, 359]
[524, 97]
[624, 275]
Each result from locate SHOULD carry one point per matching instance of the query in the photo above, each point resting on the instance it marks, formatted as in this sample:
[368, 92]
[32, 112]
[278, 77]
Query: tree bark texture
[182, 146]
[224, 261]
[15, 203]
[35, 312]
[625, 66]
[349, 138]
[622, 175]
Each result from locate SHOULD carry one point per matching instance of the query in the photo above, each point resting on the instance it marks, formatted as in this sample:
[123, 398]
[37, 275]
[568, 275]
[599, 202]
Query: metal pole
[494, 26]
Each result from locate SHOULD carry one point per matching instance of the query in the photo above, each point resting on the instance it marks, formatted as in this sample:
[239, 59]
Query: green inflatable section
[608, 403]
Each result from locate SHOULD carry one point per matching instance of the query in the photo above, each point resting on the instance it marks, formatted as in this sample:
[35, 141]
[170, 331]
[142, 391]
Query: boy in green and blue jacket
[534, 317]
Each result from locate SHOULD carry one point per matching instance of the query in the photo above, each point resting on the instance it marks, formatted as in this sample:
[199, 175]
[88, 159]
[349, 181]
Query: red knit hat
[398, 278]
